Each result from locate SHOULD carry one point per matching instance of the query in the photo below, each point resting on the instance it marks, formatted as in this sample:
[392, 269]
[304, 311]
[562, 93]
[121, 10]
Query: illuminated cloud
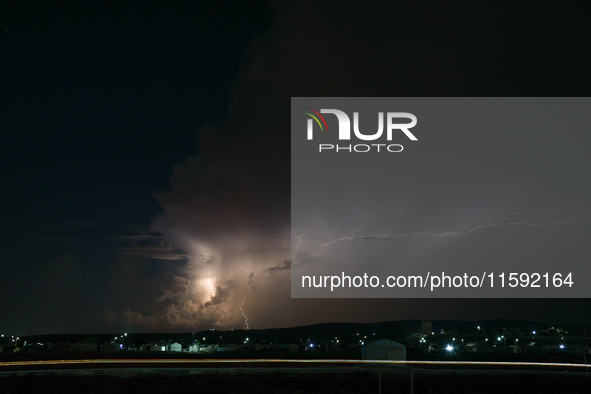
[225, 220]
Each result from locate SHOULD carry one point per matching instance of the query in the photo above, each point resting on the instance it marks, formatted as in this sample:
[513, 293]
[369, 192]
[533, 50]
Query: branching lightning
[474, 226]
[242, 310]
[300, 238]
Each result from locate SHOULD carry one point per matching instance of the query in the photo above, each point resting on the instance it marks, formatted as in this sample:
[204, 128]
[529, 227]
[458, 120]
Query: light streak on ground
[238, 361]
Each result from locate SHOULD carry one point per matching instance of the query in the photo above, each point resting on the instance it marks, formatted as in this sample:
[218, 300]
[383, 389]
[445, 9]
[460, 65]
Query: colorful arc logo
[316, 119]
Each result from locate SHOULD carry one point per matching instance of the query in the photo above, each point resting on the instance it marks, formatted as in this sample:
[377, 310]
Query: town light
[449, 348]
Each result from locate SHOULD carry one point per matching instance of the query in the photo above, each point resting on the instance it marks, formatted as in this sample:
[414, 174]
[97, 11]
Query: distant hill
[345, 332]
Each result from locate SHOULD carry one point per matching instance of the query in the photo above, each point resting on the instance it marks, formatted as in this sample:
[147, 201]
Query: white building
[383, 349]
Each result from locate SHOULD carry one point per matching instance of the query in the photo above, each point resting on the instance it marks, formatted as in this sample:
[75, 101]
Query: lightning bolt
[242, 310]
[368, 221]
[470, 228]
[300, 238]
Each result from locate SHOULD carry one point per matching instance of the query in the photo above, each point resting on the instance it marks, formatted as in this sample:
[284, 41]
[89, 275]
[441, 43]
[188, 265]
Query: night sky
[146, 160]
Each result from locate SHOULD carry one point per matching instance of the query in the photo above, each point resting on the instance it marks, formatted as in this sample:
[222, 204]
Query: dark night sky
[146, 147]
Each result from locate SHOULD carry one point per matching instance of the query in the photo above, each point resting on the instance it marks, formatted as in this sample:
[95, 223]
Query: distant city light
[533, 332]
[449, 348]
[562, 346]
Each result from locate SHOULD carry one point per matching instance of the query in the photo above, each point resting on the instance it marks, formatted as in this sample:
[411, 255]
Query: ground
[297, 380]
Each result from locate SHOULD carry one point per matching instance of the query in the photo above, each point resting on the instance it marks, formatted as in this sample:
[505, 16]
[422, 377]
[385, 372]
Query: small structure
[208, 348]
[151, 347]
[516, 349]
[427, 328]
[174, 347]
[383, 349]
[471, 347]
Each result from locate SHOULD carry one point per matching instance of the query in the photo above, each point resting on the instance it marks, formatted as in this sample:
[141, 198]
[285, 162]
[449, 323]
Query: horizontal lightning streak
[470, 228]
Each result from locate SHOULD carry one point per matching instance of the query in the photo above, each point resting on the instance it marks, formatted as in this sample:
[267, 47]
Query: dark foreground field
[295, 380]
